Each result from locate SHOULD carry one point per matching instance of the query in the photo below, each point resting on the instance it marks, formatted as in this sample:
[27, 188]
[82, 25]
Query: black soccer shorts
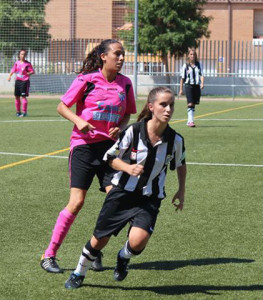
[121, 207]
[86, 161]
[22, 88]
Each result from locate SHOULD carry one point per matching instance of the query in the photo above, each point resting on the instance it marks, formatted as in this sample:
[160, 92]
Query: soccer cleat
[191, 124]
[121, 269]
[74, 281]
[97, 264]
[23, 115]
[50, 265]
[18, 114]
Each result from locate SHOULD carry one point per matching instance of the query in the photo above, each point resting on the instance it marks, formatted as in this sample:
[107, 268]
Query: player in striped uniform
[104, 100]
[141, 157]
[23, 70]
[192, 77]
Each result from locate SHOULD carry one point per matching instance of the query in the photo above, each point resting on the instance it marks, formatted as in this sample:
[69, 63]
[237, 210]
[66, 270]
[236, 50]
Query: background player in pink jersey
[104, 100]
[23, 70]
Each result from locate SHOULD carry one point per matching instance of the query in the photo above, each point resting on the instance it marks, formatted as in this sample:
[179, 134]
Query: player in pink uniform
[23, 70]
[104, 100]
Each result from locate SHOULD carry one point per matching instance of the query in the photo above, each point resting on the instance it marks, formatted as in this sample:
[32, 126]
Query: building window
[258, 24]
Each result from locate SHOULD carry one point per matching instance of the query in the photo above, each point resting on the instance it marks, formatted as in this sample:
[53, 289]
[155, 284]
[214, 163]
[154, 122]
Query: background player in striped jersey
[192, 77]
[104, 100]
[23, 70]
[141, 157]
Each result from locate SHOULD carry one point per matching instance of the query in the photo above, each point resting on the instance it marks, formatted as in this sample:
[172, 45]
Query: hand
[114, 132]
[84, 126]
[135, 170]
[181, 93]
[9, 78]
[201, 86]
[178, 196]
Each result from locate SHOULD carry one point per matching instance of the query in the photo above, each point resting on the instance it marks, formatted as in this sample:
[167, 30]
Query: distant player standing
[23, 70]
[104, 100]
[192, 77]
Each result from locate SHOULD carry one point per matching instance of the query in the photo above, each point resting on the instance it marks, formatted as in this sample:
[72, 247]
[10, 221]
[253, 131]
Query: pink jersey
[21, 69]
[101, 103]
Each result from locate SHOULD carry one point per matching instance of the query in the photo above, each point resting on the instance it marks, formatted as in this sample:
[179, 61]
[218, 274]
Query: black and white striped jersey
[191, 75]
[134, 147]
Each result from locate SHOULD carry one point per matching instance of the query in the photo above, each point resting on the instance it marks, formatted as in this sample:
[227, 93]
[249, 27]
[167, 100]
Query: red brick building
[82, 19]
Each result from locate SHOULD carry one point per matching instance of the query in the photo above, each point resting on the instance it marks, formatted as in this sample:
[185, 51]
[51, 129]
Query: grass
[210, 250]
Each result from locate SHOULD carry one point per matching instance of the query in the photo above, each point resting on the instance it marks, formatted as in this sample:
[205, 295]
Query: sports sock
[190, 114]
[127, 252]
[24, 105]
[61, 228]
[86, 259]
[18, 104]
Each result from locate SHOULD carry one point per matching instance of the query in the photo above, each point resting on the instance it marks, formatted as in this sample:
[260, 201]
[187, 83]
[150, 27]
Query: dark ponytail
[93, 60]
[146, 113]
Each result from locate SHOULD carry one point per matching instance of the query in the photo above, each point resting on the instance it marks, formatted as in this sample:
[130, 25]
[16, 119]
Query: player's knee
[135, 249]
[75, 203]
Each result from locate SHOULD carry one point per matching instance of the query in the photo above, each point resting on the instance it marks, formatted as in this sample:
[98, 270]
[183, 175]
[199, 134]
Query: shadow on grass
[172, 265]
[183, 289]
[169, 265]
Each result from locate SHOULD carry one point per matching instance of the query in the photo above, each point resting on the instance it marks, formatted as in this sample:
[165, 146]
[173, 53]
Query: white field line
[63, 120]
[32, 155]
[189, 163]
[29, 121]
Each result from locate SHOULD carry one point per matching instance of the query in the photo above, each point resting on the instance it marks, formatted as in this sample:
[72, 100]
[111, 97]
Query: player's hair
[21, 51]
[153, 95]
[188, 52]
[93, 60]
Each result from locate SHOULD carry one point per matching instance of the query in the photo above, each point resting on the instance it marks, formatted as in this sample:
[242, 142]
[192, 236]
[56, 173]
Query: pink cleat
[191, 124]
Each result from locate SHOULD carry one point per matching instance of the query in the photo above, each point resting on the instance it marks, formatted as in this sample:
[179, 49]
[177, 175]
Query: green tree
[167, 26]
[22, 25]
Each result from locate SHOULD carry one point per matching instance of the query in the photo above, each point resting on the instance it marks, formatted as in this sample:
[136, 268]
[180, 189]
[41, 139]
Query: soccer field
[213, 249]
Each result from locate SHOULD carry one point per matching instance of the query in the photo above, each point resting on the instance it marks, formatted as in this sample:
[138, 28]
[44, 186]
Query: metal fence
[218, 58]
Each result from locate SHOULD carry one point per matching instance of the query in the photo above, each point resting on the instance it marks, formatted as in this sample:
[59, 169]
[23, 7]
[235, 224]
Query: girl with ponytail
[141, 157]
[104, 100]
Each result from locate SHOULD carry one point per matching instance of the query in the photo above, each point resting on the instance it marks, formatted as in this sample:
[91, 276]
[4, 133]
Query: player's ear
[150, 107]
[103, 57]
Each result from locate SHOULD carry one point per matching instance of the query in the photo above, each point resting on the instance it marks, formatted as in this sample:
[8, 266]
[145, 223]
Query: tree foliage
[168, 26]
[22, 25]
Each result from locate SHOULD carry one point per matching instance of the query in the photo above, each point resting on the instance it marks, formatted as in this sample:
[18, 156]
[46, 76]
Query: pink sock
[64, 221]
[24, 105]
[18, 103]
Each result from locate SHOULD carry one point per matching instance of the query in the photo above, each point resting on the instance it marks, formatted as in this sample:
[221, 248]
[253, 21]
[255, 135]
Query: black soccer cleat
[121, 269]
[97, 263]
[50, 265]
[74, 281]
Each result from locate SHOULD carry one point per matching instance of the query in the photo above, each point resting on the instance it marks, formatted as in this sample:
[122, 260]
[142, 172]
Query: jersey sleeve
[30, 68]
[183, 69]
[75, 91]
[14, 68]
[120, 147]
[179, 153]
[131, 105]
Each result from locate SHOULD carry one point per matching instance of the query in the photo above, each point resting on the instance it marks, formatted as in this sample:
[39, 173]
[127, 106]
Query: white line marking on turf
[216, 119]
[224, 165]
[189, 163]
[62, 120]
[32, 155]
[27, 121]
